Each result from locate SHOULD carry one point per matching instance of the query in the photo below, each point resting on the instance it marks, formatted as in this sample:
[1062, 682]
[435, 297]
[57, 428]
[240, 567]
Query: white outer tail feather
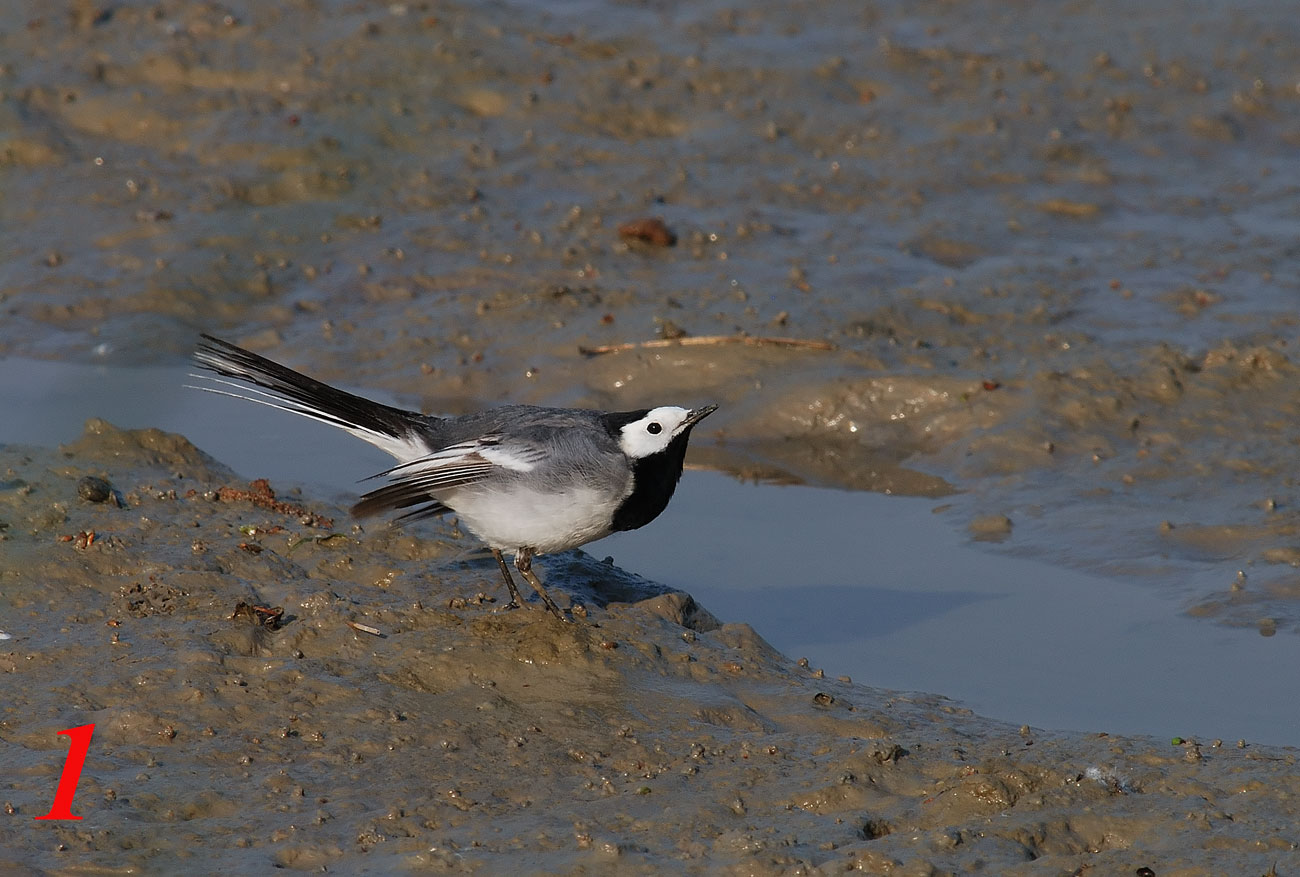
[404, 448]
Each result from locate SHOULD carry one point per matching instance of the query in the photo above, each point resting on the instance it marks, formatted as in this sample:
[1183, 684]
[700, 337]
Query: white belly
[544, 522]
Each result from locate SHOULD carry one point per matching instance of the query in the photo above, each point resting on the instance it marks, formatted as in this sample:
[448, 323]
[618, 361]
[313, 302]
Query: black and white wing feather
[463, 464]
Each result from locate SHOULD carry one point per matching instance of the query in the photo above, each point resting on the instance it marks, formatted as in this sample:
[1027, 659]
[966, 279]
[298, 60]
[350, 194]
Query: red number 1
[80, 737]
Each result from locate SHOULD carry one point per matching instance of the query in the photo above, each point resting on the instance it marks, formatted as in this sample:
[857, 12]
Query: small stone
[670, 331]
[93, 489]
[652, 231]
[990, 528]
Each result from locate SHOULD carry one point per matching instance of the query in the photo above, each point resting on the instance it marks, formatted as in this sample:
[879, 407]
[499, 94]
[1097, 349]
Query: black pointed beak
[695, 416]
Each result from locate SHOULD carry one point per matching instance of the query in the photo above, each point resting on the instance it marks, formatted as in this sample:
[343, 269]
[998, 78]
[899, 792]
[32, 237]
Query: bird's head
[646, 433]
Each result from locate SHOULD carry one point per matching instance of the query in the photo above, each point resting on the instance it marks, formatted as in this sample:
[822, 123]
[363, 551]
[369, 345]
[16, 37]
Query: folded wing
[425, 481]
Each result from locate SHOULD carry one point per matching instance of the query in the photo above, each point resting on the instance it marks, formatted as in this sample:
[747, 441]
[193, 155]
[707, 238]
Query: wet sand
[1046, 254]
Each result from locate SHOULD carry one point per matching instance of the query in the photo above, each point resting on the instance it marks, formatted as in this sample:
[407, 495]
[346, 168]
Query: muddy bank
[644, 737]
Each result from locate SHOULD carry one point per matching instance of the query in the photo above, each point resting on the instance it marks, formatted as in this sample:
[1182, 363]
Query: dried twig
[364, 628]
[706, 340]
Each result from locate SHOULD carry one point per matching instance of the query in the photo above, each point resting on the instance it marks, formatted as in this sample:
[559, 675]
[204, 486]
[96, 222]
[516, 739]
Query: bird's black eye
[654, 428]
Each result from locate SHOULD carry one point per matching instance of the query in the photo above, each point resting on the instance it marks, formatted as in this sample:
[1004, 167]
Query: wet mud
[272, 687]
[1045, 260]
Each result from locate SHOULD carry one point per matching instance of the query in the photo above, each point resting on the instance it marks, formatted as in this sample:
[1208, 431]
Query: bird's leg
[524, 563]
[515, 600]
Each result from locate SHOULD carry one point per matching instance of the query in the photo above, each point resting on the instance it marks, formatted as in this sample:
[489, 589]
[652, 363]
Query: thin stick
[704, 340]
[364, 628]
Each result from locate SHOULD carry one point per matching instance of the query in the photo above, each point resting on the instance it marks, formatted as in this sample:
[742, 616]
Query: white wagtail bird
[523, 479]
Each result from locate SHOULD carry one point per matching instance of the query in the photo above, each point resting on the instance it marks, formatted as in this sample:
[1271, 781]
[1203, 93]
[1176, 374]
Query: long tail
[242, 374]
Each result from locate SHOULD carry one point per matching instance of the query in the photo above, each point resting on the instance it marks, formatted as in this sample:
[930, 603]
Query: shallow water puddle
[881, 589]
[875, 587]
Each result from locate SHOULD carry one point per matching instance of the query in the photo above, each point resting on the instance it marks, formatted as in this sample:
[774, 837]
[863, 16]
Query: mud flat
[391, 719]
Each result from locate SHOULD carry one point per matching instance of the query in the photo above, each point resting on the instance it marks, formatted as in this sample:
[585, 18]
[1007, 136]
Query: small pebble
[651, 230]
[990, 528]
[93, 489]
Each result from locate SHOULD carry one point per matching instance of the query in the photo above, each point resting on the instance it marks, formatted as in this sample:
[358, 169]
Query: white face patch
[652, 433]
